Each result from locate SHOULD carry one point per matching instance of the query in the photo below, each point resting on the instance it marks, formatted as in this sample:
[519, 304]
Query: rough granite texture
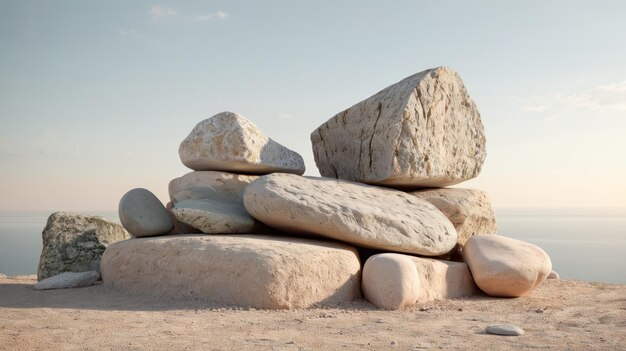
[142, 214]
[505, 267]
[242, 270]
[212, 202]
[68, 280]
[469, 210]
[359, 214]
[230, 142]
[424, 131]
[394, 281]
[74, 243]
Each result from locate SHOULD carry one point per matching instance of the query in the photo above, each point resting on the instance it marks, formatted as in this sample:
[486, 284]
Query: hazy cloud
[158, 12]
[219, 15]
[603, 98]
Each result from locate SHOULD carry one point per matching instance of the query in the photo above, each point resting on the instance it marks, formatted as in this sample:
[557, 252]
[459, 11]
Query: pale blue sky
[95, 97]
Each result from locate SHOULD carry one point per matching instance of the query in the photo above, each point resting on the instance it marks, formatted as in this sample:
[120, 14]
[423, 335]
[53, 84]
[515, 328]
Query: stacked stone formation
[279, 240]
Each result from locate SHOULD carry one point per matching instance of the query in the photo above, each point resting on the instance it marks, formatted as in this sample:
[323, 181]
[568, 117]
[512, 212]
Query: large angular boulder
[212, 202]
[469, 210]
[242, 270]
[394, 281]
[74, 243]
[142, 214]
[359, 214]
[423, 131]
[505, 267]
[230, 142]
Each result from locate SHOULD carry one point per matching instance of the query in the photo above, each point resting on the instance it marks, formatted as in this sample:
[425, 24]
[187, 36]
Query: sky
[95, 97]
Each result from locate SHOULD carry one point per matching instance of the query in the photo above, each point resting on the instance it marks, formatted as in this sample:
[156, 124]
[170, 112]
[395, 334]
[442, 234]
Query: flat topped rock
[230, 142]
[243, 270]
[68, 280]
[423, 131]
[505, 330]
[356, 213]
[469, 210]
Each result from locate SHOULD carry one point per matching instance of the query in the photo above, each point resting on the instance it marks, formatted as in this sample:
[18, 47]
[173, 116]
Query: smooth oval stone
[505, 267]
[356, 213]
[143, 214]
[553, 275]
[505, 330]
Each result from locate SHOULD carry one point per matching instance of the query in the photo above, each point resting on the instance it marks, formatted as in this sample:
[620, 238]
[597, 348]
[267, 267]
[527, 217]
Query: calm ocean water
[584, 244]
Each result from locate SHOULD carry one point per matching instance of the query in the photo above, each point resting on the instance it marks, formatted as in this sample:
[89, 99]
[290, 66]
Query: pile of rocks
[246, 228]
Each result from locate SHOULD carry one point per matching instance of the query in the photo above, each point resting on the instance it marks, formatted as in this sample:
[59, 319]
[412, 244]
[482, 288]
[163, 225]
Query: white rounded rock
[505, 267]
[394, 281]
[68, 280]
[230, 142]
[242, 270]
[356, 213]
[142, 214]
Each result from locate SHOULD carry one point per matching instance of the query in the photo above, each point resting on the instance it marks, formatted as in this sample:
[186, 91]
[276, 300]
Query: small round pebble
[505, 329]
[393, 343]
[553, 275]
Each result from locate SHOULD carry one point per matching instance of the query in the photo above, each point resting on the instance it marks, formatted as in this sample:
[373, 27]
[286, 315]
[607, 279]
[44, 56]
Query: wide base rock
[394, 281]
[243, 270]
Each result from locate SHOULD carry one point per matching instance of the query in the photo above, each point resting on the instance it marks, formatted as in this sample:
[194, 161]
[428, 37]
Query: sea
[583, 244]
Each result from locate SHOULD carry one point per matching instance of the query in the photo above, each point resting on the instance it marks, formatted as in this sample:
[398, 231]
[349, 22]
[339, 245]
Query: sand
[560, 315]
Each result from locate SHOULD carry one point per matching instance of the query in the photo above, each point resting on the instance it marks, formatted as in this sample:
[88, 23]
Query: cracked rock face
[230, 142]
[423, 131]
[75, 243]
[363, 215]
[469, 210]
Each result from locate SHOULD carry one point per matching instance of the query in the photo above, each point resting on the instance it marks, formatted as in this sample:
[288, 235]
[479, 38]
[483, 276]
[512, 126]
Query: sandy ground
[560, 315]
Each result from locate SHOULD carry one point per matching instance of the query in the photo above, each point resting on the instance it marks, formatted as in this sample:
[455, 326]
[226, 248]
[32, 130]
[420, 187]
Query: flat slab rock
[505, 267]
[242, 270]
[424, 131]
[505, 330]
[469, 210]
[356, 213]
[230, 142]
[68, 280]
[75, 242]
[394, 281]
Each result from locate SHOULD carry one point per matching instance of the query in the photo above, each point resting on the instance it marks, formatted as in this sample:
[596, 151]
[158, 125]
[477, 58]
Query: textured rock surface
[75, 243]
[230, 142]
[142, 214]
[423, 131]
[68, 280]
[469, 210]
[209, 185]
[505, 330]
[363, 215]
[394, 281]
[256, 271]
[215, 217]
[506, 267]
[212, 202]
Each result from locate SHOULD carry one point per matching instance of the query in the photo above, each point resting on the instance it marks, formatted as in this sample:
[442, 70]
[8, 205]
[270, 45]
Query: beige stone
[230, 142]
[360, 214]
[242, 270]
[469, 210]
[394, 281]
[506, 267]
[423, 131]
[209, 185]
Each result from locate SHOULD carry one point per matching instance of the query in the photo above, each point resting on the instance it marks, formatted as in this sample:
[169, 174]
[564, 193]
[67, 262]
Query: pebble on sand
[505, 330]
